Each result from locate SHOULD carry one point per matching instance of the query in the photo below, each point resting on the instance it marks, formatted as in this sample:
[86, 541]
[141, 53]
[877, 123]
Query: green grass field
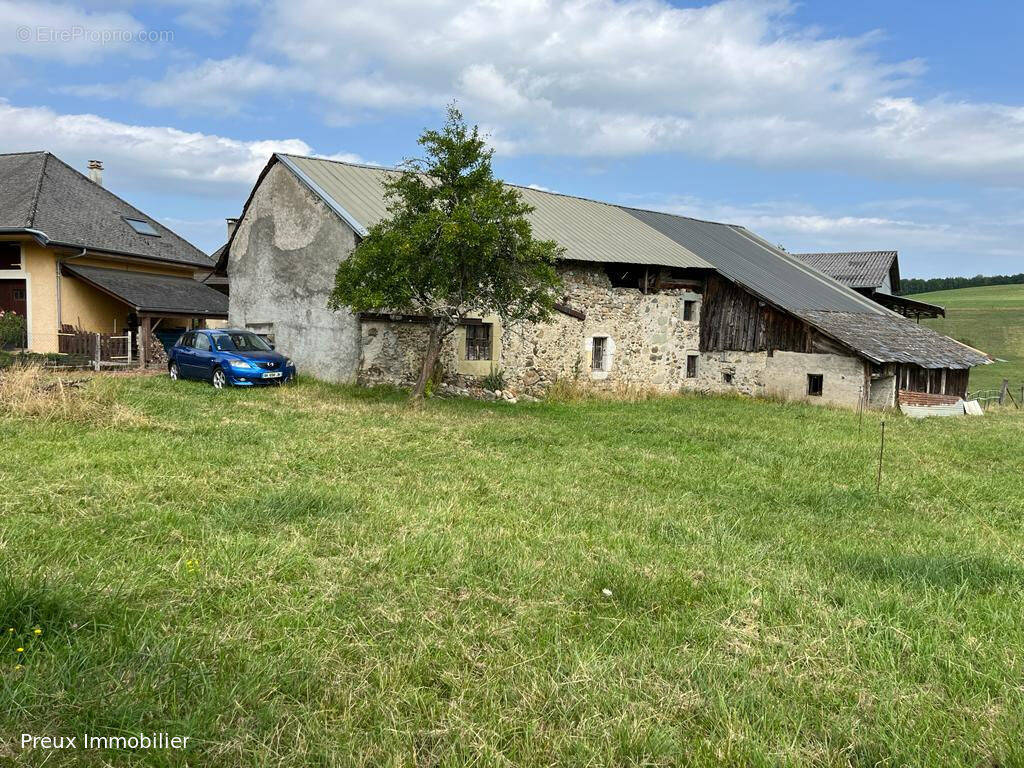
[317, 576]
[990, 318]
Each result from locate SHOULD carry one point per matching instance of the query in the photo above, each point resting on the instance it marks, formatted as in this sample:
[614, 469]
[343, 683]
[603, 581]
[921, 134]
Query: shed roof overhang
[153, 294]
[908, 307]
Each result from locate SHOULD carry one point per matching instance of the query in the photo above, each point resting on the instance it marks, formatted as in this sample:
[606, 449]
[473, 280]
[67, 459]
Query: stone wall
[646, 348]
[843, 379]
[883, 392]
[283, 258]
[647, 345]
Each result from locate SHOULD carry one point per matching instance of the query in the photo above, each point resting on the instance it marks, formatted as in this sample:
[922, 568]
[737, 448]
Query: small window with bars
[688, 308]
[599, 354]
[691, 366]
[478, 341]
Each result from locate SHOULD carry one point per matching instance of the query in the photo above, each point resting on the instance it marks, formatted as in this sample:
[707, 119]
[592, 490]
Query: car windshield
[240, 342]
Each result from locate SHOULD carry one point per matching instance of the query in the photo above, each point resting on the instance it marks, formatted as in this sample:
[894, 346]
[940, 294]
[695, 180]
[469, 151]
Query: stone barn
[651, 301]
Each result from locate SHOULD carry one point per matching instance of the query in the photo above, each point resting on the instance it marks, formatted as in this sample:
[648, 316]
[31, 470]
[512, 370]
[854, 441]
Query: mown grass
[990, 318]
[320, 576]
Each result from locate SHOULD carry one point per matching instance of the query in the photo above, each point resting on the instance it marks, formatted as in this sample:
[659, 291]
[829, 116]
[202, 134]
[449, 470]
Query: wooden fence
[95, 349]
[1003, 395]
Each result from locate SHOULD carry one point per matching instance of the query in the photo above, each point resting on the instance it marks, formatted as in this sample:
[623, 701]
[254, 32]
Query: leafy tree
[912, 285]
[455, 243]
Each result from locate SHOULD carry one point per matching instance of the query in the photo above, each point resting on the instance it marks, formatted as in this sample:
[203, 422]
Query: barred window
[688, 306]
[691, 366]
[478, 341]
[599, 353]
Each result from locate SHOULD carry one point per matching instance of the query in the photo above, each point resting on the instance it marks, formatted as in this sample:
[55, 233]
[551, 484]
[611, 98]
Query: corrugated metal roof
[857, 269]
[750, 261]
[587, 229]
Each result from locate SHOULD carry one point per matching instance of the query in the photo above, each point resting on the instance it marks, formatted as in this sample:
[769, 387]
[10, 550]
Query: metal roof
[148, 292]
[588, 230]
[593, 231]
[763, 269]
[39, 191]
[857, 269]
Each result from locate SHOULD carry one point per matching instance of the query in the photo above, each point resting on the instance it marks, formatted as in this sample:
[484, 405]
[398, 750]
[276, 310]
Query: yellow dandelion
[10, 631]
[18, 666]
[20, 650]
[37, 631]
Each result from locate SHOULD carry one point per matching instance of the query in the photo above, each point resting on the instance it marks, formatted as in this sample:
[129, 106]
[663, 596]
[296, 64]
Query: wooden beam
[565, 309]
[144, 331]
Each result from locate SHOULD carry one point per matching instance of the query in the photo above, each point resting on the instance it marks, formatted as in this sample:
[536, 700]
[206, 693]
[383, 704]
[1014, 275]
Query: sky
[819, 125]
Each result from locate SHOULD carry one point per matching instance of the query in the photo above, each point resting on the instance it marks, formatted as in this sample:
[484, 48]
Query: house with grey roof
[875, 274]
[650, 301]
[75, 257]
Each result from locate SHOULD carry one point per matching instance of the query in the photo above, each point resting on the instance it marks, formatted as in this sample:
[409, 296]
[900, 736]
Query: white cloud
[62, 32]
[155, 156]
[211, 17]
[733, 80]
[215, 84]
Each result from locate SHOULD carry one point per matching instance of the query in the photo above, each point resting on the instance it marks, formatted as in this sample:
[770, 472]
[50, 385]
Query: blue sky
[821, 125]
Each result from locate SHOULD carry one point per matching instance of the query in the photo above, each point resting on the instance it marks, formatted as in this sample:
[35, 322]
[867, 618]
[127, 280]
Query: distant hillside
[990, 318]
[914, 285]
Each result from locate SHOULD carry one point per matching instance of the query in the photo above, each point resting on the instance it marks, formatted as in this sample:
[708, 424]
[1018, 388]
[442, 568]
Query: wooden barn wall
[732, 319]
[914, 378]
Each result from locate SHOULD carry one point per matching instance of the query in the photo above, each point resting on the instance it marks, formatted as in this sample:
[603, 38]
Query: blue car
[228, 357]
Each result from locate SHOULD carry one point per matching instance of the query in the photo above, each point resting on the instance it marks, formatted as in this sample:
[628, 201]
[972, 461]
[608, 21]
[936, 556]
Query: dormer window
[142, 227]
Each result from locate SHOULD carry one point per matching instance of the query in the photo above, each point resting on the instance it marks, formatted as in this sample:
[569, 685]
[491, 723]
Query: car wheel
[173, 372]
[220, 380]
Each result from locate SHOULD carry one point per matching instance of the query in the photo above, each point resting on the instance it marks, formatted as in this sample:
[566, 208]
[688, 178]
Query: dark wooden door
[12, 296]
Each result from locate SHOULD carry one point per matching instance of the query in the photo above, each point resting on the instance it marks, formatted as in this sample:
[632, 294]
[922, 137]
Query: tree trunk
[437, 335]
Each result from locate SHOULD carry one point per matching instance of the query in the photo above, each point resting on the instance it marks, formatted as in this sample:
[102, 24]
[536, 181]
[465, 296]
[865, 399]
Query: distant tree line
[917, 285]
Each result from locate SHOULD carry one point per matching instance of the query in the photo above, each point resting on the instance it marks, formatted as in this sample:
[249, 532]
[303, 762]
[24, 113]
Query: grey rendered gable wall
[283, 258]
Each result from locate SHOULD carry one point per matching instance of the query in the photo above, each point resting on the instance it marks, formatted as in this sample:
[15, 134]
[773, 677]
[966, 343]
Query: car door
[183, 355]
[202, 357]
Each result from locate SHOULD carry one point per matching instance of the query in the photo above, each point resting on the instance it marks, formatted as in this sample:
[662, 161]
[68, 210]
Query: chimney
[232, 223]
[96, 171]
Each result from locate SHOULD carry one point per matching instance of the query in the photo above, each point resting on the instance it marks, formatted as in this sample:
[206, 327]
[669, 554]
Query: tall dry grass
[32, 391]
[577, 390]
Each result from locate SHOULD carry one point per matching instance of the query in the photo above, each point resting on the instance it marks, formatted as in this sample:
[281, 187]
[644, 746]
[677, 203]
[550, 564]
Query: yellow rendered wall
[41, 269]
[81, 305]
[88, 309]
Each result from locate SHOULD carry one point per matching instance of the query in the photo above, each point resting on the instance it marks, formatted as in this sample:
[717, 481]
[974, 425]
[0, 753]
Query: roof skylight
[142, 227]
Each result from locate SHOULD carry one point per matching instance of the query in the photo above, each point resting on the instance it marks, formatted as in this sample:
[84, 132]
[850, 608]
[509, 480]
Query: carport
[153, 298]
